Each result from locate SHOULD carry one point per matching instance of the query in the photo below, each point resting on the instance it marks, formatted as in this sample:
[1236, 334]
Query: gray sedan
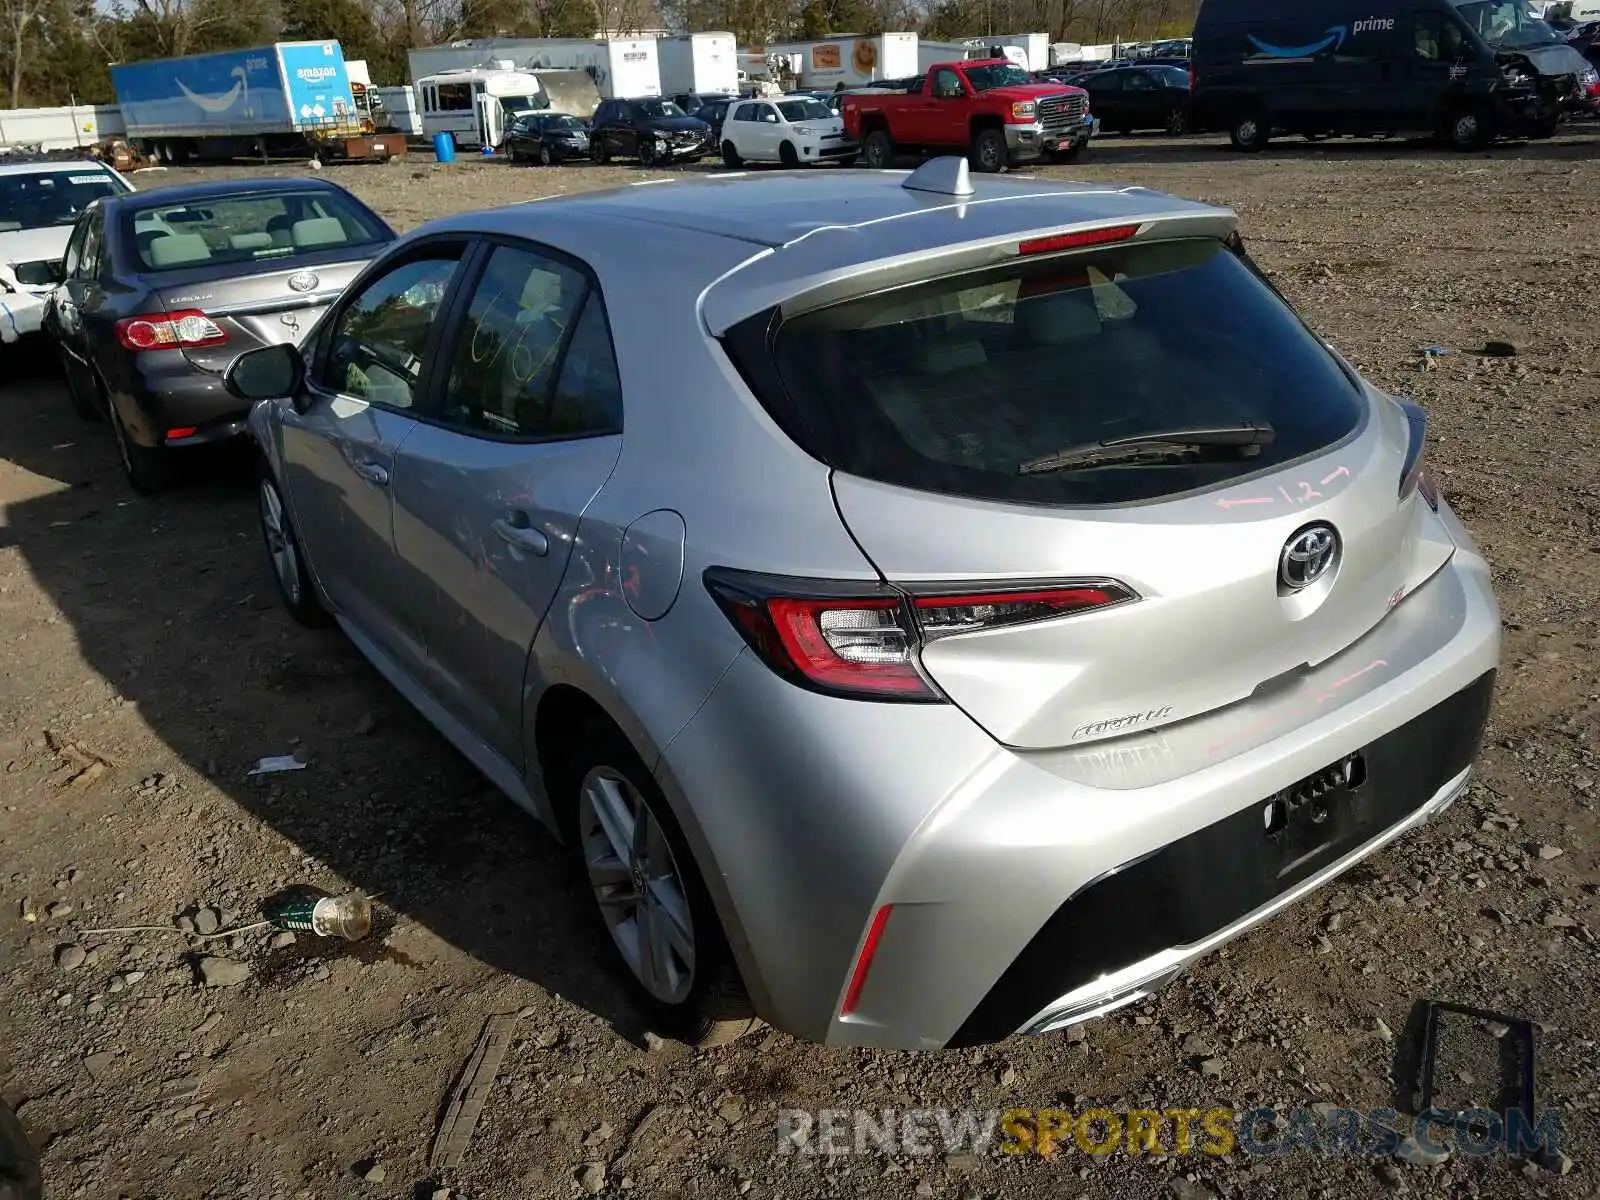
[928, 610]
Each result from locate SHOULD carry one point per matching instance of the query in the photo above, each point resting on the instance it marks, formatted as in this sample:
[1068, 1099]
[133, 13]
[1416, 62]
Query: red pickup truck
[990, 108]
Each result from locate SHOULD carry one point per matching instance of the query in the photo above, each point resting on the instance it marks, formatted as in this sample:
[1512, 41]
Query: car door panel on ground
[369, 371]
[523, 431]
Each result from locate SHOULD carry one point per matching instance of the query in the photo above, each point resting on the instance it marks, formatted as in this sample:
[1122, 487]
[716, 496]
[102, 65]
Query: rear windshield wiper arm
[1161, 446]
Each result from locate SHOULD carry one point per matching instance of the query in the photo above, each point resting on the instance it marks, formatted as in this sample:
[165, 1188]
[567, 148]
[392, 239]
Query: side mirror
[266, 373]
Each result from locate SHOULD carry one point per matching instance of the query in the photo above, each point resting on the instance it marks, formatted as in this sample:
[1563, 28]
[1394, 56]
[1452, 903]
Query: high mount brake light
[865, 642]
[1076, 241]
[1414, 474]
[185, 329]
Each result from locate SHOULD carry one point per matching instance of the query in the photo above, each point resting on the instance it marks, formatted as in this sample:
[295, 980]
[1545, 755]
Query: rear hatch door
[941, 404]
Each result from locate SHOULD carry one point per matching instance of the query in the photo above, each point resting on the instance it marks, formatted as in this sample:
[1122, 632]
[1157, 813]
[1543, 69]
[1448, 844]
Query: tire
[545, 157]
[647, 153]
[686, 982]
[878, 150]
[1250, 132]
[599, 152]
[285, 556]
[730, 156]
[989, 153]
[1177, 123]
[1546, 128]
[788, 156]
[20, 1177]
[148, 468]
[1465, 130]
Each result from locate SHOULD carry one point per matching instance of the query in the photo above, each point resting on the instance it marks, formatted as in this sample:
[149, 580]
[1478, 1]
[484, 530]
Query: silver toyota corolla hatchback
[930, 610]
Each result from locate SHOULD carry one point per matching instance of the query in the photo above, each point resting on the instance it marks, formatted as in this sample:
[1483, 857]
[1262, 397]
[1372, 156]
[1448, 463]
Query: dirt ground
[145, 666]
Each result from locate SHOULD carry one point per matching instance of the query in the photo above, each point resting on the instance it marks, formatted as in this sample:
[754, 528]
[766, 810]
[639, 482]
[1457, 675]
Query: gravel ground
[144, 665]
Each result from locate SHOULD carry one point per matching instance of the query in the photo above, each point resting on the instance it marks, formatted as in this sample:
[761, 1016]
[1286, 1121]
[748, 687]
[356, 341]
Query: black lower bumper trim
[1186, 891]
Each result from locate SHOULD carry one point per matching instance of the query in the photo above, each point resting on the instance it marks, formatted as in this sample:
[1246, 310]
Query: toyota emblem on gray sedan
[303, 281]
[1307, 556]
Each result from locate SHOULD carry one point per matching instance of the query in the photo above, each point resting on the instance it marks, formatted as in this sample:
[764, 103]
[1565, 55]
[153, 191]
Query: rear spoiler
[837, 263]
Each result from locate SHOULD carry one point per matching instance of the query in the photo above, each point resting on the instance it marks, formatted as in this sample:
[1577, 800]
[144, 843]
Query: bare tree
[20, 18]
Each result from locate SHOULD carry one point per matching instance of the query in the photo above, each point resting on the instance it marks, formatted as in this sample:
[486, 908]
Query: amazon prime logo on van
[1331, 41]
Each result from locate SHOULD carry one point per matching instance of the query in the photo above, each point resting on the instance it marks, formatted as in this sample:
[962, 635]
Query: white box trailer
[1035, 45]
[929, 53]
[698, 62]
[621, 67]
[852, 61]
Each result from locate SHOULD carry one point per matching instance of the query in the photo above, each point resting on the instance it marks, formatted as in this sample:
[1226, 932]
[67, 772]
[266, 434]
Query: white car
[792, 130]
[39, 203]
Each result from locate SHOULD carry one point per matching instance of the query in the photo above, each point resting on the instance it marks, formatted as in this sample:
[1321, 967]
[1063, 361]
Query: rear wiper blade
[1157, 447]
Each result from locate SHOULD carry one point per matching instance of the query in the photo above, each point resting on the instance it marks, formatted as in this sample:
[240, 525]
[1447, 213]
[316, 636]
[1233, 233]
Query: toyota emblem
[303, 281]
[1308, 556]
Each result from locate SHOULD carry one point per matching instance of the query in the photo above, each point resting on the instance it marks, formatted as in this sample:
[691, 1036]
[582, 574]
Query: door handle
[373, 473]
[521, 537]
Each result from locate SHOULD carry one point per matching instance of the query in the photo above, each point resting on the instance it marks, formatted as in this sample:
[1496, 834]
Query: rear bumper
[1193, 895]
[1030, 890]
[161, 390]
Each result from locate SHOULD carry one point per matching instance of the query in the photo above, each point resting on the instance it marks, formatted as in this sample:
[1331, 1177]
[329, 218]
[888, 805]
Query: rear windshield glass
[951, 386]
[39, 201]
[225, 230]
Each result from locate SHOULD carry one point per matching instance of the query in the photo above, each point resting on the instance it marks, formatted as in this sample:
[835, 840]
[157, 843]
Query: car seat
[178, 250]
[316, 232]
[281, 229]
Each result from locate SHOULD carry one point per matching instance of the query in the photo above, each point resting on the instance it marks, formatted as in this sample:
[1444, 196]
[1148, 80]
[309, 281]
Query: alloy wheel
[637, 884]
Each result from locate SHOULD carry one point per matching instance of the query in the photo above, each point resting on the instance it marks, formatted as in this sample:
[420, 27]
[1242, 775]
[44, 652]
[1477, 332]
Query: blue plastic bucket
[444, 147]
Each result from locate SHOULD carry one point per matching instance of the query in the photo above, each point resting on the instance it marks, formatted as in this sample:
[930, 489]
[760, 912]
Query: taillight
[1076, 241]
[1414, 475]
[185, 329]
[865, 641]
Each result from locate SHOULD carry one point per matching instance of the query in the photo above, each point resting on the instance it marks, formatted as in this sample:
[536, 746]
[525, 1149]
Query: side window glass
[376, 345]
[89, 264]
[1428, 33]
[588, 397]
[946, 85]
[507, 356]
[74, 253]
[1138, 82]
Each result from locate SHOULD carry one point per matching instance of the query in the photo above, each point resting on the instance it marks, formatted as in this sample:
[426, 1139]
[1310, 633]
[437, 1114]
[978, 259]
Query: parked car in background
[991, 109]
[792, 130]
[548, 137]
[737, 528]
[1465, 70]
[693, 102]
[653, 131]
[713, 113]
[161, 290]
[39, 204]
[1128, 99]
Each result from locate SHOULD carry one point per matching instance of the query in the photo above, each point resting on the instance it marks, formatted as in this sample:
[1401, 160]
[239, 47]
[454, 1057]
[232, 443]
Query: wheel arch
[573, 699]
